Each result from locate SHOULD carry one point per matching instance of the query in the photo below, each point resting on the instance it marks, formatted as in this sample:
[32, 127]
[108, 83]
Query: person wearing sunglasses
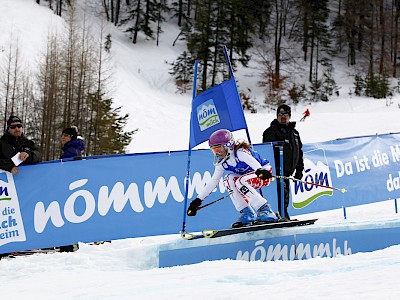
[248, 172]
[14, 141]
[283, 130]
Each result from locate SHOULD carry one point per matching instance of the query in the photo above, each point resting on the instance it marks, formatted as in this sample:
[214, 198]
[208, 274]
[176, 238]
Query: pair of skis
[279, 224]
[211, 233]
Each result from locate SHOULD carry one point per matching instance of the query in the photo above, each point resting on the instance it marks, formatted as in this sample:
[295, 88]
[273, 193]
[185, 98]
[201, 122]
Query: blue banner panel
[245, 250]
[96, 199]
[332, 244]
[367, 168]
[287, 244]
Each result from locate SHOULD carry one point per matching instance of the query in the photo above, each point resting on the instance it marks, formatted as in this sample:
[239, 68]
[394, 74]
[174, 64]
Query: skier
[249, 172]
[305, 115]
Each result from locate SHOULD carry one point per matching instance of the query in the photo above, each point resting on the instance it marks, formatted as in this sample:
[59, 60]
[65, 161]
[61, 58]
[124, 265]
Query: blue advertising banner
[216, 108]
[366, 167]
[120, 196]
[304, 242]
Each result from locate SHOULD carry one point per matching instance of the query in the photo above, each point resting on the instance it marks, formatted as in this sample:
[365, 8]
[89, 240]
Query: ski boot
[246, 218]
[265, 215]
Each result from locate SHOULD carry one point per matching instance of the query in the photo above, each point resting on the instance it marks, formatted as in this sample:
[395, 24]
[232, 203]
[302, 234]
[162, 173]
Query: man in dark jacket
[282, 130]
[12, 142]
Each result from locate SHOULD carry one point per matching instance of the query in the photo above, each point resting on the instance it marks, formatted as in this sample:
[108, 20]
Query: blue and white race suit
[242, 182]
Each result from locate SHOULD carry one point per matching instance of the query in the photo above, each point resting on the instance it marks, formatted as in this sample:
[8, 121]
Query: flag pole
[233, 78]
[189, 153]
[237, 92]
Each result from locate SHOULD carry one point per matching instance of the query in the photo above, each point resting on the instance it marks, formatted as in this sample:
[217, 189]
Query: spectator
[13, 142]
[282, 130]
[72, 147]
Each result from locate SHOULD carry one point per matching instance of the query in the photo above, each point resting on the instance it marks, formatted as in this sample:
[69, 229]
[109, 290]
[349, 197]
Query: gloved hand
[193, 207]
[263, 174]
[298, 175]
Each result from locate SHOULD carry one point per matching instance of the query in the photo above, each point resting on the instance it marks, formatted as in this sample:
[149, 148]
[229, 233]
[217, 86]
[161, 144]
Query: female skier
[249, 172]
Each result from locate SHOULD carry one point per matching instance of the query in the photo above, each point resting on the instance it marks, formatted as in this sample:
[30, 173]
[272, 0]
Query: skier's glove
[194, 207]
[298, 175]
[263, 174]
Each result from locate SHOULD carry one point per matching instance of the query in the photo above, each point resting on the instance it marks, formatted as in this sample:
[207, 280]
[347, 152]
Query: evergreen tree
[199, 42]
[182, 70]
[108, 135]
[143, 16]
[261, 11]
[217, 24]
[316, 38]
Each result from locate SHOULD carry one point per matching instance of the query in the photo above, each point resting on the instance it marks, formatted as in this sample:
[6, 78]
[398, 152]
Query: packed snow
[127, 269]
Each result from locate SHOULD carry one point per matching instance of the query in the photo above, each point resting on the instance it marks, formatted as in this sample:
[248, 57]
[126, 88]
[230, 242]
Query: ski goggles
[218, 150]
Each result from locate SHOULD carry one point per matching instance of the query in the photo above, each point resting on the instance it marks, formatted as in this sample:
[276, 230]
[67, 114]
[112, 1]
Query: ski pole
[343, 190]
[215, 201]
[189, 236]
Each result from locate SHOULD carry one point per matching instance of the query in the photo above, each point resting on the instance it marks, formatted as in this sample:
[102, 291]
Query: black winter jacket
[10, 145]
[292, 150]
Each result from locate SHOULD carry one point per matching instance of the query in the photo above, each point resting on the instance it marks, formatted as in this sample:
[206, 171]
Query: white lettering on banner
[362, 163]
[162, 190]
[90, 203]
[393, 183]
[11, 225]
[343, 168]
[42, 215]
[303, 251]
[116, 198]
[379, 159]
[119, 198]
[260, 253]
[198, 183]
[395, 153]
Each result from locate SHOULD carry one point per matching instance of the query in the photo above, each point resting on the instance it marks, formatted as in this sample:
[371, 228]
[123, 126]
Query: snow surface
[127, 269]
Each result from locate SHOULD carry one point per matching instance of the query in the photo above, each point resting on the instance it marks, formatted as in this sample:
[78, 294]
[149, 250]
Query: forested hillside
[287, 35]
